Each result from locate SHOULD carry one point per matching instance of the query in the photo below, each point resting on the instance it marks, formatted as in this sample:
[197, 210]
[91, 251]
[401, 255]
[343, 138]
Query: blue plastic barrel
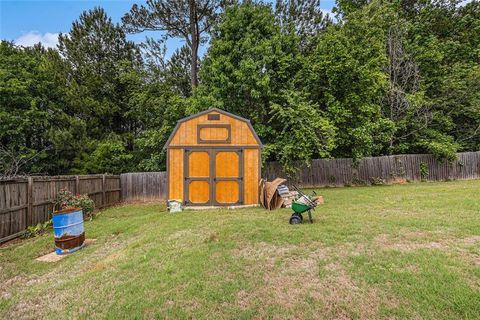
[68, 230]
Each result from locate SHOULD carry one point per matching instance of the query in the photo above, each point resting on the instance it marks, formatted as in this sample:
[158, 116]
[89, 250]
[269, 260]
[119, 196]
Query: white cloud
[327, 11]
[49, 40]
[464, 3]
[330, 14]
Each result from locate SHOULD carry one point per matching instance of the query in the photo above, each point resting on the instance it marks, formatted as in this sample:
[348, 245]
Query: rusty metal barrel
[68, 230]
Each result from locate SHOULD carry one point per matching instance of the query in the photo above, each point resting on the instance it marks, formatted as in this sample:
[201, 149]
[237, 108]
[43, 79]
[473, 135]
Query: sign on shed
[213, 159]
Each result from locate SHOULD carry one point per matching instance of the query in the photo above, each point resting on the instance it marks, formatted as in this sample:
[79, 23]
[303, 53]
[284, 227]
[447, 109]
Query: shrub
[356, 180]
[377, 181]
[66, 199]
[423, 171]
[40, 228]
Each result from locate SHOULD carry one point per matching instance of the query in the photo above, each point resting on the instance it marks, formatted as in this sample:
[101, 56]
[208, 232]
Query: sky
[27, 22]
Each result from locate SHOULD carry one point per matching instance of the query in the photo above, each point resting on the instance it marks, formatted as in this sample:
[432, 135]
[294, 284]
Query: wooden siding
[199, 192]
[226, 164]
[175, 174]
[215, 134]
[251, 175]
[227, 191]
[187, 132]
[198, 164]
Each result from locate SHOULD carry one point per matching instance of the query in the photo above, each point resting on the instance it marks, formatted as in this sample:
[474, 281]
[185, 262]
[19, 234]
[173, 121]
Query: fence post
[104, 198]
[29, 219]
[77, 184]
[144, 187]
[120, 193]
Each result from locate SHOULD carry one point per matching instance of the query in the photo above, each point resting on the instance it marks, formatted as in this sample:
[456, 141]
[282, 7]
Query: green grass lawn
[404, 251]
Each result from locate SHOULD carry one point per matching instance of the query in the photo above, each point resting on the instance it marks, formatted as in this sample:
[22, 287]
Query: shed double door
[213, 177]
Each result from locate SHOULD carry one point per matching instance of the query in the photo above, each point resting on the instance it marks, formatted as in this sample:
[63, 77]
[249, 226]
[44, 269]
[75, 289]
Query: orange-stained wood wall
[186, 135]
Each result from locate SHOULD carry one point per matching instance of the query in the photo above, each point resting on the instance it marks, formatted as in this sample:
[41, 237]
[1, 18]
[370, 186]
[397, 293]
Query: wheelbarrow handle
[313, 204]
[298, 190]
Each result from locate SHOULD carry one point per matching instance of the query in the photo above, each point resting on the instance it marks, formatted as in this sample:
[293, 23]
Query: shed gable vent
[214, 116]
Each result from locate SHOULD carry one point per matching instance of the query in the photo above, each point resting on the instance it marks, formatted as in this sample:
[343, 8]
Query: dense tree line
[377, 78]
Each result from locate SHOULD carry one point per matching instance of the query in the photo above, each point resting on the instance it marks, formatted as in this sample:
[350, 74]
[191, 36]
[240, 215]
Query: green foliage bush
[377, 181]
[40, 228]
[66, 199]
[424, 171]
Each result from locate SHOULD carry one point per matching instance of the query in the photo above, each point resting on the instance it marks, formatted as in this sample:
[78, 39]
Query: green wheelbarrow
[303, 204]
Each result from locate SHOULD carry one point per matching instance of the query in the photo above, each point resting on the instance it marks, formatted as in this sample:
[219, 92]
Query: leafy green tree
[404, 102]
[304, 17]
[24, 113]
[178, 72]
[345, 7]
[96, 53]
[34, 129]
[443, 37]
[174, 71]
[347, 80]
[156, 106]
[250, 70]
[109, 156]
[100, 65]
[248, 61]
[386, 77]
[303, 133]
[190, 20]
[433, 72]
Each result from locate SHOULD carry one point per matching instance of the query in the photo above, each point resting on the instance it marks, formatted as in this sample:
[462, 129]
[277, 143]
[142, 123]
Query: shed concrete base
[221, 207]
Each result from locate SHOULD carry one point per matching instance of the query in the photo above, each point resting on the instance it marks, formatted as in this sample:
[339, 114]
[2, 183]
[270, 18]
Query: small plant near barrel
[66, 199]
[39, 229]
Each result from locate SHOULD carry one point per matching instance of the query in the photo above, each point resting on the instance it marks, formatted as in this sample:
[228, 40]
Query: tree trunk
[195, 43]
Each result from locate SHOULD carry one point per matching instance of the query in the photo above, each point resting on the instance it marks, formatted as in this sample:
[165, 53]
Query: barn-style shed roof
[212, 110]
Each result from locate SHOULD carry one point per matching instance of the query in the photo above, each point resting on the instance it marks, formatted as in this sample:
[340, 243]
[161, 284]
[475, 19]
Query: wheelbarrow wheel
[295, 219]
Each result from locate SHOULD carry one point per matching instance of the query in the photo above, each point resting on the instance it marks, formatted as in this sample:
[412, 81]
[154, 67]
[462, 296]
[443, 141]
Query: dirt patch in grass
[187, 237]
[105, 263]
[7, 286]
[410, 242]
[387, 242]
[290, 278]
[419, 241]
[472, 240]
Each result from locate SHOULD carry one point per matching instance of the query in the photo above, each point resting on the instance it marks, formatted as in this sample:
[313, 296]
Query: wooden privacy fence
[144, 186]
[28, 201]
[378, 170]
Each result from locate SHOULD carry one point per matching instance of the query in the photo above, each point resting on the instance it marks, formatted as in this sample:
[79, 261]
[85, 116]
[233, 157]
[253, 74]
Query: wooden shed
[213, 159]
